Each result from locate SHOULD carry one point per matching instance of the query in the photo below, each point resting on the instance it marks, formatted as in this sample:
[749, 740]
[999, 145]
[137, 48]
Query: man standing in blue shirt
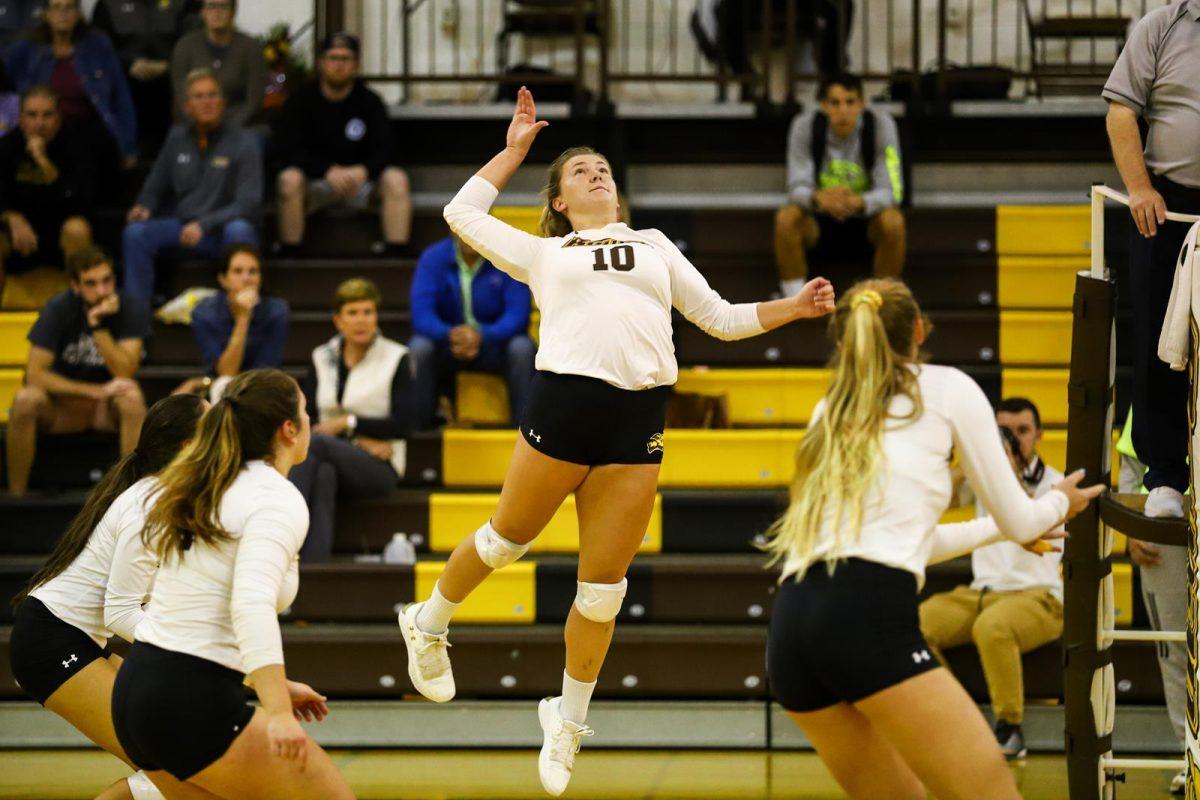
[239, 329]
[467, 315]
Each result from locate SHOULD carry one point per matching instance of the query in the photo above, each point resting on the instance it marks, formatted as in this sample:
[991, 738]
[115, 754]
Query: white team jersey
[76, 595]
[605, 295]
[221, 602]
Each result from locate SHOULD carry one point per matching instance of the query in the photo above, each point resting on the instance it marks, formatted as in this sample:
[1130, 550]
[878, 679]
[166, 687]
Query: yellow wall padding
[454, 516]
[508, 596]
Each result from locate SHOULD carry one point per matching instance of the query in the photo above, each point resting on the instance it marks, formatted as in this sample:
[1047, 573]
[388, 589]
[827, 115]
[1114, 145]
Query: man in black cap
[336, 144]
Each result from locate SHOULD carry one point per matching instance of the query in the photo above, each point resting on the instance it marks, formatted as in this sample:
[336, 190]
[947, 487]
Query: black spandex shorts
[176, 711]
[587, 421]
[45, 652]
[841, 638]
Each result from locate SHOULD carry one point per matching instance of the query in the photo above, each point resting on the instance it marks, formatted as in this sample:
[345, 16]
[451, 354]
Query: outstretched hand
[816, 299]
[525, 125]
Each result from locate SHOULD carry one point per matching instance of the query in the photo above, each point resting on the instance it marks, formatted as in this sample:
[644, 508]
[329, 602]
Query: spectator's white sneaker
[560, 742]
[1164, 502]
[1179, 783]
[428, 661]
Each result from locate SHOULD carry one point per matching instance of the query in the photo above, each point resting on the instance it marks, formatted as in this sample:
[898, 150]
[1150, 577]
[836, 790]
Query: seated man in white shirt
[1014, 602]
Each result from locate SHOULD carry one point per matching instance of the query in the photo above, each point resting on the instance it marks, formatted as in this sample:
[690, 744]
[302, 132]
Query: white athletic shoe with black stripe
[561, 739]
[428, 662]
[1179, 784]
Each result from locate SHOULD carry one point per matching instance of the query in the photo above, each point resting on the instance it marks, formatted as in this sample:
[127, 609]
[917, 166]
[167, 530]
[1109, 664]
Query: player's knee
[494, 550]
[600, 602]
[789, 217]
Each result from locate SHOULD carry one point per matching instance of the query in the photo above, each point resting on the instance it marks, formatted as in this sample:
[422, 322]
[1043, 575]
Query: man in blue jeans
[202, 193]
[467, 315]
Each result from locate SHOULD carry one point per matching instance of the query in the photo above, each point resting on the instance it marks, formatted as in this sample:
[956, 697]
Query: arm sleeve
[513, 251]
[47, 331]
[801, 172]
[398, 424]
[887, 180]
[515, 319]
[270, 541]
[132, 572]
[122, 101]
[209, 339]
[423, 298]
[274, 336]
[701, 305]
[1132, 77]
[987, 468]
[158, 183]
[960, 538]
[293, 146]
[248, 194]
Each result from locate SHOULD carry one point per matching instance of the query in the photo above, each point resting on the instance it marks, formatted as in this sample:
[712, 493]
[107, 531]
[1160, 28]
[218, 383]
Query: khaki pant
[1003, 625]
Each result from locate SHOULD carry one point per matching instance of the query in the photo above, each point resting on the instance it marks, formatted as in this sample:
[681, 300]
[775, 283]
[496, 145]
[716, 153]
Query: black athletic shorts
[587, 421]
[176, 711]
[841, 638]
[842, 241]
[45, 652]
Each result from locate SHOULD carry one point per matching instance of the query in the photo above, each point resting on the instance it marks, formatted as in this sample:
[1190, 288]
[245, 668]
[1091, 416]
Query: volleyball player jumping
[594, 420]
[845, 653]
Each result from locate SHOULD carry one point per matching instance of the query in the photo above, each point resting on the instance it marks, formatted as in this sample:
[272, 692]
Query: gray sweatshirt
[844, 165]
[240, 69]
[212, 187]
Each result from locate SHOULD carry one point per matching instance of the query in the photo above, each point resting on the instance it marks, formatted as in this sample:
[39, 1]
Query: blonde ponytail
[840, 457]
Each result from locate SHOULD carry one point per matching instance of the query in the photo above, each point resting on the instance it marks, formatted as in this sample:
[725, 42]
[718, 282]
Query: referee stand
[1089, 630]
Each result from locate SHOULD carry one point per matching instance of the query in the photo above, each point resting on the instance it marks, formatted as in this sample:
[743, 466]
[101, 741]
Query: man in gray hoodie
[844, 186]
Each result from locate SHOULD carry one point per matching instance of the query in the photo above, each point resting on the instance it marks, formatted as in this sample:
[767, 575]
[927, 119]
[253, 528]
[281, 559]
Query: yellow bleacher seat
[1054, 451]
[525, 218]
[1038, 281]
[14, 326]
[508, 596]
[1047, 388]
[760, 396]
[10, 383]
[1043, 230]
[1122, 594]
[1035, 337]
[453, 516]
[482, 399]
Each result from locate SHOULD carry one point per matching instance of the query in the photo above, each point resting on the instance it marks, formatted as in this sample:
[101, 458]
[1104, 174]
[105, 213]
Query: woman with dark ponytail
[59, 644]
[227, 527]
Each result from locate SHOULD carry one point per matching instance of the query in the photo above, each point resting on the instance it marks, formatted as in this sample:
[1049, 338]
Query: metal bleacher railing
[1089, 689]
[590, 49]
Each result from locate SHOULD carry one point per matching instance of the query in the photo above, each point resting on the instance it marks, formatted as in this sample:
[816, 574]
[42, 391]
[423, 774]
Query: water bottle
[399, 550]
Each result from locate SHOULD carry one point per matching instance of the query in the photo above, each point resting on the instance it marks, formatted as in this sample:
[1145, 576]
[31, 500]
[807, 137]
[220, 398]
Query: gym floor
[512, 774]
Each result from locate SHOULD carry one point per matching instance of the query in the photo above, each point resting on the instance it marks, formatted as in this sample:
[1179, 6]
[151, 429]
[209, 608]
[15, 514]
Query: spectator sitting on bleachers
[85, 349]
[467, 316]
[336, 144]
[204, 189]
[17, 17]
[844, 186]
[1014, 602]
[79, 63]
[145, 33]
[48, 187]
[360, 402]
[238, 329]
[234, 57]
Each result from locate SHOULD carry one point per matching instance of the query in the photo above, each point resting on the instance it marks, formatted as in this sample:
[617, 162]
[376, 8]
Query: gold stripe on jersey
[577, 242]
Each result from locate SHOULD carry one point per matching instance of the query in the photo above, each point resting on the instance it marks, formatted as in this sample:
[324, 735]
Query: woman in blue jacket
[81, 65]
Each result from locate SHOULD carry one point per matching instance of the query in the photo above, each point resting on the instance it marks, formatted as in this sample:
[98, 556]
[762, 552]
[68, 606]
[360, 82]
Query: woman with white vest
[359, 390]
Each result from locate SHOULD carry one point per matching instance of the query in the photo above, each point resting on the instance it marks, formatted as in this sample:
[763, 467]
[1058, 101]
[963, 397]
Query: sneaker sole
[414, 675]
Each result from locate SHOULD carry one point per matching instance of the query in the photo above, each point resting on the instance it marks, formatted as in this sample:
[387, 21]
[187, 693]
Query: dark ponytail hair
[239, 428]
[169, 423]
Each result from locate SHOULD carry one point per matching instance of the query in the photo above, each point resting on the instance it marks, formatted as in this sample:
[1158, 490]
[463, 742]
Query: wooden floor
[613, 775]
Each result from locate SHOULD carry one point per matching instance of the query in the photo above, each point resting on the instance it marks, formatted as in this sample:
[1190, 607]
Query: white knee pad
[142, 788]
[600, 602]
[494, 550]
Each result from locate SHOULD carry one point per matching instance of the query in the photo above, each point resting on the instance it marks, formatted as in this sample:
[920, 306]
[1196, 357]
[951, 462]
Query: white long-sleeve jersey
[913, 486]
[605, 295]
[221, 602]
[77, 595]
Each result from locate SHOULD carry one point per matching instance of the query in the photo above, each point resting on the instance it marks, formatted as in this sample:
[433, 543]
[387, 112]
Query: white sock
[434, 616]
[142, 788]
[575, 698]
[792, 286]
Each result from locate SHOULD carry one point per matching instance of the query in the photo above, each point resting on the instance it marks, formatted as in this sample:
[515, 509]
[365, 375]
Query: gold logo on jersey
[655, 445]
[577, 242]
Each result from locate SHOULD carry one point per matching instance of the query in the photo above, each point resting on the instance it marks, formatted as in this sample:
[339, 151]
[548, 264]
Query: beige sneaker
[561, 739]
[428, 661]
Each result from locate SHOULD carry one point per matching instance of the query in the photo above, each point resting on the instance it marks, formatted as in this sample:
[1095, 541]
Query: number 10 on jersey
[619, 258]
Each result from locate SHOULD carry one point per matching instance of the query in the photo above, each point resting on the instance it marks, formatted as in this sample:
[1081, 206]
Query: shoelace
[429, 644]
[566, 745]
